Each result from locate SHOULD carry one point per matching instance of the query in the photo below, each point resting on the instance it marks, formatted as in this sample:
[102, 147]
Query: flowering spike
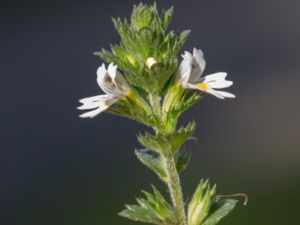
[144, 82]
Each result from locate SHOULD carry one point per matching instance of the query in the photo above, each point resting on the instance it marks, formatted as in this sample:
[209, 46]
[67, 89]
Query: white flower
[190, 76]
[112, 82]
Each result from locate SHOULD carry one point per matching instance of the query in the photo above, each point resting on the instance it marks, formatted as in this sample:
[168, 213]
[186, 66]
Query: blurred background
[58, 169]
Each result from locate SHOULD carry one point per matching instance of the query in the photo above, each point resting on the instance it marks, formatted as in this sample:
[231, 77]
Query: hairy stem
[175, 191]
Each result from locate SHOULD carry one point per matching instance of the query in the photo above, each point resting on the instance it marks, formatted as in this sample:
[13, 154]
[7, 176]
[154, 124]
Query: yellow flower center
[202, 85]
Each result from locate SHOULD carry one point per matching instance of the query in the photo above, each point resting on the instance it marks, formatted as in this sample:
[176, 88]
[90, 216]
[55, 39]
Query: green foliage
[152, 209]
[182, 159]
[200, 204]
[178, 100]
[178, 138]
[144, 37]
[206, 208]
[167, 144]
[148, 16]
[158, 143]
[135, 108]
[155, 161]
[220, 209]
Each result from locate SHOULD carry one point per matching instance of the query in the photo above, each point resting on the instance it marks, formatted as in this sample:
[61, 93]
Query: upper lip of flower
[113, 84]
[190, 75]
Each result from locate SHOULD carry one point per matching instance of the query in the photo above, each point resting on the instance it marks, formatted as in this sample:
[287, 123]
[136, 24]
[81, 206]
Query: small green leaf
[166, 18]
[219, 210]
[178, 138]
[181, 39]
[182, 159]
[156, 143]
[200, 204]
[154, 161]
[152, 209]
[145, 16]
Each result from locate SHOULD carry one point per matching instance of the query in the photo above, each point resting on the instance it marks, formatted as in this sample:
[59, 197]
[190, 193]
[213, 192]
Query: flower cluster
[189, 75]
[145, 82]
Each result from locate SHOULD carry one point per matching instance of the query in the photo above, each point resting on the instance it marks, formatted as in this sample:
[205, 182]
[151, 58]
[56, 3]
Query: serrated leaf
[181, 39]
[156, 143]
[154, 161]
[152, 209]
[182, 159]
[200, 204]
[219, 210]
[144, 15]
[167, 17]
[178, 138]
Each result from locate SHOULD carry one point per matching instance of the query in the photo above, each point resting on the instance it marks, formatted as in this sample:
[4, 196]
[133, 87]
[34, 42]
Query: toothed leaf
[178, 138]
[156, 143]
[152, 209]
[182, 159]
[154, 161]
[219, 210]
[200, 204]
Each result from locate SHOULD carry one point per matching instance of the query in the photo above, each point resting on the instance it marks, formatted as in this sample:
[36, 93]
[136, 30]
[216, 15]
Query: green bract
[141, 39]
[145, 83]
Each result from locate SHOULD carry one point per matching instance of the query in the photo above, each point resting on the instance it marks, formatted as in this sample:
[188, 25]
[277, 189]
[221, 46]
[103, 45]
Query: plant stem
[175, 190]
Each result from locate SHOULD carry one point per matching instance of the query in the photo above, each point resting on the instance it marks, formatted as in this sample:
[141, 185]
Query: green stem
[175, 190]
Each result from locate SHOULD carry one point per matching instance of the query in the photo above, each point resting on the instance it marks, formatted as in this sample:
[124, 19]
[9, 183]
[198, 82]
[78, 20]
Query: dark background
[57, 169]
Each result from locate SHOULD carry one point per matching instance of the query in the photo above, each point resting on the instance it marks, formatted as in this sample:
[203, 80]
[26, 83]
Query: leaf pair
[204, 208]
[152, 209]
[167, 144]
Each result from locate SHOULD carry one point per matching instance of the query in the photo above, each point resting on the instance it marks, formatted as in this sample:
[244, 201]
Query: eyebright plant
[145, 82]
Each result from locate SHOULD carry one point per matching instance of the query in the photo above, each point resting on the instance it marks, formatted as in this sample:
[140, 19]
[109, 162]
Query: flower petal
[185, 67]
[226, 94]
[104, 79]
[215, 93]
[103, 104]
[217, 80]
[196, 65]
[199, 56]
[209, 90]
[216, 76]
[118, 80]
[92, 113]
[92, 102]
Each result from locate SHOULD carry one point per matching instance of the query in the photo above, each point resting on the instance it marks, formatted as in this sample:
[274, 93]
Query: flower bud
[150, 62]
